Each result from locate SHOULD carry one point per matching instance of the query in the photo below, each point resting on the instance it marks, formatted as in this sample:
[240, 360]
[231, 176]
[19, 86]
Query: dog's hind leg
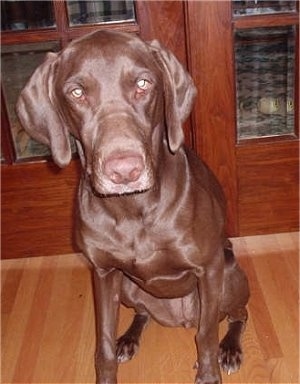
[235, 298]
[230, 353]
[128, 344]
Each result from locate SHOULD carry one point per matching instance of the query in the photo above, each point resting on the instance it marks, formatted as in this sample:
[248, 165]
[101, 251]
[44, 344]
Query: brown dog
[151, 215]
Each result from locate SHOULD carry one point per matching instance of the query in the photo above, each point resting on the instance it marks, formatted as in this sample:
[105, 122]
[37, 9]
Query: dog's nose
[123, 168]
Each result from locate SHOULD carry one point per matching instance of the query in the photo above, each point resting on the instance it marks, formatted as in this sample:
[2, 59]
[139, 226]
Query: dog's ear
[180, 93]
[38, 115]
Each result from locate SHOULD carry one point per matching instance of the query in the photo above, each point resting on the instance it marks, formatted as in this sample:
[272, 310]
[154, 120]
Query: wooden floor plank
[33, 331]
[48, 327]
[281, 297]
[16, 322]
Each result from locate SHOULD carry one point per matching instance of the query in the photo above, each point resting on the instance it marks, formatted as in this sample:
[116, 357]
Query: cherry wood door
[259, 176]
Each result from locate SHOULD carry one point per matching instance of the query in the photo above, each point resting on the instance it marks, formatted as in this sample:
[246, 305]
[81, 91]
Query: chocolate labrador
[150, 213]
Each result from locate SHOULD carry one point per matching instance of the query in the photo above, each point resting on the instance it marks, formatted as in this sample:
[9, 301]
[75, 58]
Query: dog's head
[115, 94]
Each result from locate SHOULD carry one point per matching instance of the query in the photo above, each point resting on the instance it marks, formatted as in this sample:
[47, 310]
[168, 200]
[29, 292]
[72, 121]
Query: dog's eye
[77, 93]
[143, 84]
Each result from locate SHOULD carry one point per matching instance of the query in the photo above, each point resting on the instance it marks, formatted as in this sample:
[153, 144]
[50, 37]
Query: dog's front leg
[209, 286]
[107, 289]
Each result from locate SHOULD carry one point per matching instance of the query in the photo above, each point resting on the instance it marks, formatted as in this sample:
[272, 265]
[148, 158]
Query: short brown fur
[150, 213]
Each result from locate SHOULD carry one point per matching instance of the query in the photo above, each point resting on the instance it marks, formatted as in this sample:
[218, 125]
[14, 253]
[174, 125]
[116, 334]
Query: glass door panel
[17, 64]
[24, 15]
[95, 12]
[259, 7]
[265, 81]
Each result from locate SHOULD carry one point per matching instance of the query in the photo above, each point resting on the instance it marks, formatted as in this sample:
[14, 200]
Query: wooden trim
[212, 68]
[130, 27]
[297, 85]
[41, 35]
[61, 17]
[260, 21]
[266, 139]
[142, 18]
[7, 146]
[188, 33]
[32, 36]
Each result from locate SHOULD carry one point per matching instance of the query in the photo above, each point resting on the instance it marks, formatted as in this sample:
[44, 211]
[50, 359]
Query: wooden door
[37, 197]
[259, 174]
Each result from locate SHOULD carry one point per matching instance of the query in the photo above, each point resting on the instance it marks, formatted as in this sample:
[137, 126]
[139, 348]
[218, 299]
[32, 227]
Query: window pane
[95, 12]
[17, 64]
[258, 7]
[20, 15]
[265, 81]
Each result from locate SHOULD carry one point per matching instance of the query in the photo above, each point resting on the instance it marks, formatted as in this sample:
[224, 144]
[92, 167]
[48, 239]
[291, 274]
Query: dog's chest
[161, 255]
[146, 250]
[157, 260]
[135, 243]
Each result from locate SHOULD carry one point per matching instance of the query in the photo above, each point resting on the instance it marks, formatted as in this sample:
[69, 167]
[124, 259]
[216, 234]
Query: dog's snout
[124, 168]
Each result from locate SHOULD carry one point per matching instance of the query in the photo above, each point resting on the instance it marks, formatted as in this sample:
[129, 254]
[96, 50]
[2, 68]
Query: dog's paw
[230, 357]
[126, 348]
[208, 379]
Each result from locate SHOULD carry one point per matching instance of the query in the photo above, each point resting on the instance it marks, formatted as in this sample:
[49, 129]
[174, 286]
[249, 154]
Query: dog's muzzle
[122, 172]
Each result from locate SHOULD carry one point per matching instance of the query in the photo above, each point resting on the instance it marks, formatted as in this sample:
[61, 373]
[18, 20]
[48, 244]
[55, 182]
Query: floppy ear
[38, 115]
[180, 93]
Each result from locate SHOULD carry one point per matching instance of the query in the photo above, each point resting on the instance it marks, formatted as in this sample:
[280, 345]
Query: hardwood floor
[48, 322]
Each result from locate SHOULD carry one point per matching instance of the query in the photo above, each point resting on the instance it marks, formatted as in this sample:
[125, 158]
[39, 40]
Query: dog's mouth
[105, 188]
[97, 193]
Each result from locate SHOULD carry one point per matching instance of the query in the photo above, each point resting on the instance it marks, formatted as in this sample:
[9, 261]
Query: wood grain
[48, 322]
[37, 209]
[258, 21]
[268, 177]
[211, 60]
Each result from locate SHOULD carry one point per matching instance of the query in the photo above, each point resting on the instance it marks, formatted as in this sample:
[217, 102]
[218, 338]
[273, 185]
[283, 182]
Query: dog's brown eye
[77, 93]
[143, 84]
